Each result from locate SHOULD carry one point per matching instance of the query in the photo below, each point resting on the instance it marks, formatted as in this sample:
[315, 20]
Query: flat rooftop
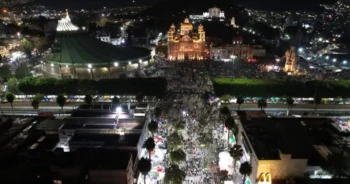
[10, 130]
[270, 136]
[108, 140]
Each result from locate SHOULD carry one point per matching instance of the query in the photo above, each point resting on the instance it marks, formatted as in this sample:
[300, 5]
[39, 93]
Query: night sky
[272, 4]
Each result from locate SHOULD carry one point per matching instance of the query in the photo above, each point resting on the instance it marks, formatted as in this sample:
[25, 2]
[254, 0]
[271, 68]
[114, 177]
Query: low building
[224, 53]
[278, 148]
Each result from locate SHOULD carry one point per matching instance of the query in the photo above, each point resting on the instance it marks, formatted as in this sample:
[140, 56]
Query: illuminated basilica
[186, 44]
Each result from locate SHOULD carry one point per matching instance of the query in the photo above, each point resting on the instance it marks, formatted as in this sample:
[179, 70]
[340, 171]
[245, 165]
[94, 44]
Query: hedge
[147, 86]
[279, 88]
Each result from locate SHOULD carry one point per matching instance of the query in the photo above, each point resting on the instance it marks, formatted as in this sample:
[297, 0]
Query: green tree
[175, 141]
[245, 170]
[88, 100]
[179, 126]
[150, 145]
[290, 102]
[262, 104]
[39, 97]
[177, 156]
[174, 175]
[144, 166]
[225, 111]
[157, 112]
[317, 101]
[12, 85]
[153, 127]
[236, 153]
[10, 97]
[35, 104]
[22, 71]
[5, 71]
[240, 101]
[226, 98]
[61, 101]
[230, 125]
[26, 47]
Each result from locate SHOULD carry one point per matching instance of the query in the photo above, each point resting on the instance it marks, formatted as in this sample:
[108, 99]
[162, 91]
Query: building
[186, 44]
[223, 53]
[213, 13]
[76, 54]
[273, 149]
[291, 60]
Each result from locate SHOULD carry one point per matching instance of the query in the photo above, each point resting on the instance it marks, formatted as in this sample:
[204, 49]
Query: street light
[344, 62]
[327, 57]
[90, 66]
[334, 60]
[278, 60]
[116, 64]
[300, 49]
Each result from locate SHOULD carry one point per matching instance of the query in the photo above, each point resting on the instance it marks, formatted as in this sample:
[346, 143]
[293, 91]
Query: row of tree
[278, 88]
[147, 86]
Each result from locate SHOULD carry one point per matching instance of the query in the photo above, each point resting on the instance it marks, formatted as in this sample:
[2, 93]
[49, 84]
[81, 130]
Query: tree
[150, 145]
[226, 98]
[144, 166]
[115, 100]
[153, 127]
[157, 112]
[61, 101]
[245, 170]
[177, 156]
[337, 165]
[12, 85]
[88, 100]
[10, 98]
[236, 153]
[39, 97]
[178, 126]
[262, 104]
[317, 101]
[35, 104]
[26, 47]
[240, 101]
[5, 71]
[230, 125]
[22, 71]
[225, 111]
[290, 102]
[139, 97]
[175, 141]
[174, 175]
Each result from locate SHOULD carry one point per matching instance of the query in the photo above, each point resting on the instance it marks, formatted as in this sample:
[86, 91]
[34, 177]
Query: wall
[281, 169]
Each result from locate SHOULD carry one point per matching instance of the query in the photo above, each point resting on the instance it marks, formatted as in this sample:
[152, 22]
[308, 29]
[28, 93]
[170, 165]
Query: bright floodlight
[129, 62]
[232, 56]
[51, 65]
[300, 49]
[327, 57]
[116, 64]
[344, 62]
[140, 61]
[334, 60]
[89, 65]
[278, 59]
[320, 39]
[119, 109]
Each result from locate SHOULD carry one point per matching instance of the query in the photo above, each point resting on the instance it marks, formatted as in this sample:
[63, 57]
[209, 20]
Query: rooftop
[272, 136]
[107, 140]
[80, 49]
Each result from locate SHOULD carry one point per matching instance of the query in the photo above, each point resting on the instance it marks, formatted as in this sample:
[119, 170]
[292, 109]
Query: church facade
[185, 43]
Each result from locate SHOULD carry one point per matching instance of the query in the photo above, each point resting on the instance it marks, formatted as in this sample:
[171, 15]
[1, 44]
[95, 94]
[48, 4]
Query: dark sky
[294, 4]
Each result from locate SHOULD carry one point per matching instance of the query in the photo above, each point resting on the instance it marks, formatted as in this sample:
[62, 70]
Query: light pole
[233, 57]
